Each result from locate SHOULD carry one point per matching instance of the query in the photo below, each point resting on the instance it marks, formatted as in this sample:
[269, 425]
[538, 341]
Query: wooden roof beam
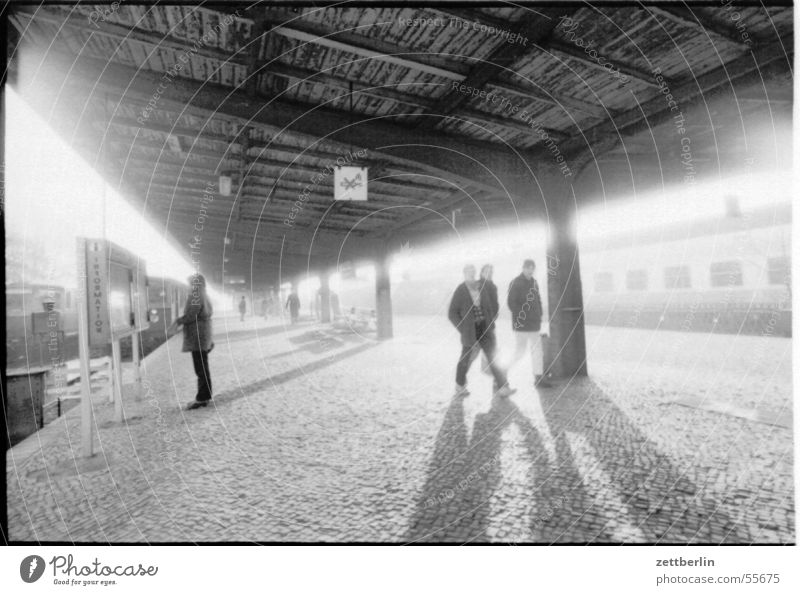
[431, 106]
[687, 17]
[456, 159]
[126, 33]
[192, 133]
[442, 66]
[755, 67]
[542, 36]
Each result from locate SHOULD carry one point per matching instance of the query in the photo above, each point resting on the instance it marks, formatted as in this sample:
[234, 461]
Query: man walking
[473, 313]
[525, 304]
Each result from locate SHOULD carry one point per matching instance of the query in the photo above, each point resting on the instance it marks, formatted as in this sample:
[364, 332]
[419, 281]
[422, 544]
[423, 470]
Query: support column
[137, 365]
[116, 373]
[565, 294]
[325, 296]
[383, 296]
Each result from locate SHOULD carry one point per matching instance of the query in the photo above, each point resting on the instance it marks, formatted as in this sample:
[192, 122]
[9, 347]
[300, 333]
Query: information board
[116, 291]
[96, 255]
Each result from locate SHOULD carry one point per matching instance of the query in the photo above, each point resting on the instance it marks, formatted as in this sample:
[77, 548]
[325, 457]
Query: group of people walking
[473, 311]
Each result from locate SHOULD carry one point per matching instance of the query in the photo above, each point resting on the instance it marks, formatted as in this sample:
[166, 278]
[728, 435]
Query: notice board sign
[350, 183]
[116, 290]
[96, 255]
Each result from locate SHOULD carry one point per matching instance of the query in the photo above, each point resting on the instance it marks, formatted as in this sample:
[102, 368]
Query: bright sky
[53, 197]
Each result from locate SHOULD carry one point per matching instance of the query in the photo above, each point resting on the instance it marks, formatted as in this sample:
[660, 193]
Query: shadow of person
[633, 482]
[433, 516]
[458, 502]
[565, 511]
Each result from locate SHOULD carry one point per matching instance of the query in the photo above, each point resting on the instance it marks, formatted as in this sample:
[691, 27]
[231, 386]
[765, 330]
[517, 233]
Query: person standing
[293, 304]
[525, 304]
[473, 313]
[198, 338]
[242, 308]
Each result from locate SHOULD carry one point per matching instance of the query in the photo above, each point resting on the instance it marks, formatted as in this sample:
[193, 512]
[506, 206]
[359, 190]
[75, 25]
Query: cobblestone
[317, 435]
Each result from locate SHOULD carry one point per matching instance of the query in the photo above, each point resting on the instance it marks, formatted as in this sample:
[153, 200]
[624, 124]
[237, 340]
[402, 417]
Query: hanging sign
[350, 183]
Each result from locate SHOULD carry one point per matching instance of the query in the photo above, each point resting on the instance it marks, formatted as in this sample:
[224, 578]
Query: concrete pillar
[325, 296]
[383, 296]
[564, 290]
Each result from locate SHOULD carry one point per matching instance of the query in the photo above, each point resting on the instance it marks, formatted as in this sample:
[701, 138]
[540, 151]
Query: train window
[637, 280]
[677, 278]
[779, 270]
[726, 273]
[604, 282]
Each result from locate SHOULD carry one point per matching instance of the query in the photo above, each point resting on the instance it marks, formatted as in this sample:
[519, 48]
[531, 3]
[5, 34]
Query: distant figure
[525, 304]
[473, 312]
[242, 308]
[337, 312]
[197, 337]
[293, 304]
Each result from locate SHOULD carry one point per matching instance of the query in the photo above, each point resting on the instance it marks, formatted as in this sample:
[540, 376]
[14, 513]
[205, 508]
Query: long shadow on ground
[455, 504]
[309, 368]
[661, 499]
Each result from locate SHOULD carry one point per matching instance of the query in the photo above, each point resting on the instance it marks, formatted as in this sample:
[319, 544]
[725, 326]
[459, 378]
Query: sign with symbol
[350, 183]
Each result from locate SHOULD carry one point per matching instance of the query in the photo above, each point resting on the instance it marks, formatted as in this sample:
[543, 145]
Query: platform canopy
[476, 109]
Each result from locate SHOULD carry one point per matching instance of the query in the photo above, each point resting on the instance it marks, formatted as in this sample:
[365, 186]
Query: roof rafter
[127, 33]
[416, 101]
[502, 58]
[447, 156]
[438, 65]
[553, 45]
[685, 16]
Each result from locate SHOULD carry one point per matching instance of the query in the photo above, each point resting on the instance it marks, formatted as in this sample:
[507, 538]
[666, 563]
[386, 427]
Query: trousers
[200, 361]
[487, 343]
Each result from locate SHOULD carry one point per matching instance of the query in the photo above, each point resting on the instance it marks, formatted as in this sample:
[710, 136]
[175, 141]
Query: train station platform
[317, 434]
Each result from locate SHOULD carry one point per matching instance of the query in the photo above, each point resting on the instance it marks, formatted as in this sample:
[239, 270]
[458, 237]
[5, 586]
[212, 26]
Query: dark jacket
[525, 304]
[491, 292]
[196, 321]
[461, 315]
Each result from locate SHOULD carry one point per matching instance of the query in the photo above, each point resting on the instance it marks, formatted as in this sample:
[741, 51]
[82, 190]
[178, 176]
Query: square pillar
[383, 296]
[565, 292]
[325, 296]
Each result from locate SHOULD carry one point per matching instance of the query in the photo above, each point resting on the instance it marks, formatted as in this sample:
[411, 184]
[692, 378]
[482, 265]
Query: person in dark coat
[242, 308]
[293, 303]
[473, 312]
[525, 303]
[487, 271]
[197, 337]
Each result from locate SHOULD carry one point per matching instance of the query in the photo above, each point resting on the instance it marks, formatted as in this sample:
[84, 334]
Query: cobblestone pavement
[320, 435]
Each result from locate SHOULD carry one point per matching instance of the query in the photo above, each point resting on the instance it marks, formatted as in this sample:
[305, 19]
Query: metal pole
[137, 370]
[116, 370]
[87, 421]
